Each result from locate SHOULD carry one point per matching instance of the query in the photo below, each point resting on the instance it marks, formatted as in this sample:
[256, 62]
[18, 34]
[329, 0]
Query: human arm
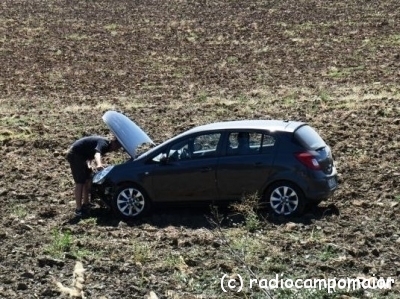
[97, 159]
[101, 148]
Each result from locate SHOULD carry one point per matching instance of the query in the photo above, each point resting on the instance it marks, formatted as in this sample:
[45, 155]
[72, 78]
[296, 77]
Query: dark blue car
[286, 162]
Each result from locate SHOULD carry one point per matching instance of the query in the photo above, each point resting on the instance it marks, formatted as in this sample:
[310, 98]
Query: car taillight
[308, 160]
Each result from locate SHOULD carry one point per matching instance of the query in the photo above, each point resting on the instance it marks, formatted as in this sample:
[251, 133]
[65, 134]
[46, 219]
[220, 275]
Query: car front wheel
[130, 202]
[285, 199]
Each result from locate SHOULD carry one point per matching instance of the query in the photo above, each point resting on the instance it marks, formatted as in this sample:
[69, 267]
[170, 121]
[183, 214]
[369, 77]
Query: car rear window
[309, 138]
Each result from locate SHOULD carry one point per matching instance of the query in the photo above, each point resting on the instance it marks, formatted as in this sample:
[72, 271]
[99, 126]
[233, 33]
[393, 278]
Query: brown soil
[170, 65]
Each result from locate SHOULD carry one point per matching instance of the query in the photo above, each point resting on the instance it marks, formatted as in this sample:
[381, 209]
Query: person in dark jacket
[79, 156]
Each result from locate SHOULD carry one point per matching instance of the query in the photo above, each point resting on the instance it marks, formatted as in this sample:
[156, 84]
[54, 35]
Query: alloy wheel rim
[130, 202]
[284, 200]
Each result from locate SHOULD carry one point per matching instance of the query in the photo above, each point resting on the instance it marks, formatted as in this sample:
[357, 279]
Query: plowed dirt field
[170, 65]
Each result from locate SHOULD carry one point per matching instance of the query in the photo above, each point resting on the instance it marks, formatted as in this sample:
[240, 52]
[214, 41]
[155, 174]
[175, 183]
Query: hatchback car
[286, 162]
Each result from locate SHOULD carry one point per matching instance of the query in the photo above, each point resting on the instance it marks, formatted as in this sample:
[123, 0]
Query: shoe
[78, 213]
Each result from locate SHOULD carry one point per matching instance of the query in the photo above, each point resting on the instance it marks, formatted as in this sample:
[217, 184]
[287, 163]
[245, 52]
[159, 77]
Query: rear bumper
[321, 189]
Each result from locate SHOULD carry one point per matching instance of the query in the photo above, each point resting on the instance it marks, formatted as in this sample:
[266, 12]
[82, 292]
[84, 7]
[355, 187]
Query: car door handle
[205, 169]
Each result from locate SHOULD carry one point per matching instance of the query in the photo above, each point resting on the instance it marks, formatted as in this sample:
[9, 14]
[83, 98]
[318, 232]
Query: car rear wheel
[285, 199]
[130, 202]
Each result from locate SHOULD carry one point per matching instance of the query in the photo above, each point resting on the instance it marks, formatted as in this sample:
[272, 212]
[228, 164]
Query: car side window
[195, 147]
[244, 143]
[249, 143]
[179, 151]
[267, 143]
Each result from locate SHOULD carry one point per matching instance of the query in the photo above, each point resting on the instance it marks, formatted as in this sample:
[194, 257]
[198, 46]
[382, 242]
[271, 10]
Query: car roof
[270, 125]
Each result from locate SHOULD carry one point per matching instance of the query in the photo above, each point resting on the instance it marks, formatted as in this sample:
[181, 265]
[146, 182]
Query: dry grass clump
[76, 288]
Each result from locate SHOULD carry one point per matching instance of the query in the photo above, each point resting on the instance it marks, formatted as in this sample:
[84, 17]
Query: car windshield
[309, 138]
[155, 148]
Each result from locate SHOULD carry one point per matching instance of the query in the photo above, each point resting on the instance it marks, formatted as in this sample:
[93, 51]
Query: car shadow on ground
[205, 217]
[311, 214]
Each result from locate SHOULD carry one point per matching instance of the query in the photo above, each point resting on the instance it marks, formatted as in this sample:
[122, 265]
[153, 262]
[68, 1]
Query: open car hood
[127, 132]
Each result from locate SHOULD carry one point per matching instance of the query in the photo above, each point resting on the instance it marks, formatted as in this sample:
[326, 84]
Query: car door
[246, 165]
[188, 173]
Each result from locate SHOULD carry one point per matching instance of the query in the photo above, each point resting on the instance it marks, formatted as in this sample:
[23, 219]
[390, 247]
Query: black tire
[130, 202]
[285, 199]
